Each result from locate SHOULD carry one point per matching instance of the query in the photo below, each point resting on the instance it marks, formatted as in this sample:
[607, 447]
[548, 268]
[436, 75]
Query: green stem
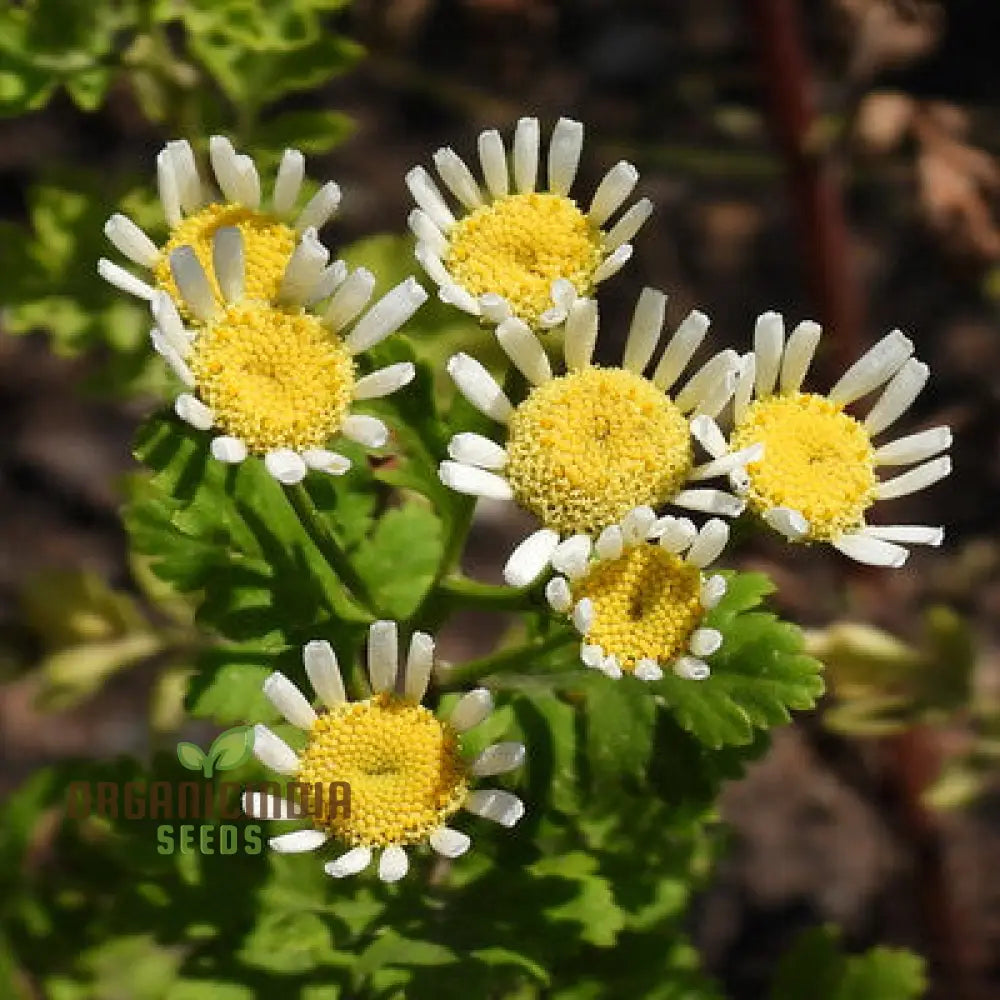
[473, 594]
[465, 673]
[323, 538]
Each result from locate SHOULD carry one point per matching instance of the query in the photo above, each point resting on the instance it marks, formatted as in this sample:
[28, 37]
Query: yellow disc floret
[267, 245]
[586, 448]
[817, 460]
[647, 603]
[275, 378]
[402, 763]
[517, 246]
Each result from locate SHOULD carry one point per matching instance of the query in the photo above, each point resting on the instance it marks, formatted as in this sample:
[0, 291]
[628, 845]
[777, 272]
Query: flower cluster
[265, 333]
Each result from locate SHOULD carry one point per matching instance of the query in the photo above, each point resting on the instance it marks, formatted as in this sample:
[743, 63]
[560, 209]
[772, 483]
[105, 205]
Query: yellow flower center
[817, 460]
[647, 602]
[402, 764]
[517, 246]
[586, 448]
[275, 378]
[267, 245]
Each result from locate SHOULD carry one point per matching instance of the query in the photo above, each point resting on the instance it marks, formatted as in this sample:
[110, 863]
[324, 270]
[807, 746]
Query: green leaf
[231, 748]
[311, 132]
[191, 756]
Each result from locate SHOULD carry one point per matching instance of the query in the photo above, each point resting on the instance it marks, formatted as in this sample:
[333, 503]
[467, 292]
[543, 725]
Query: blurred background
[833, 159]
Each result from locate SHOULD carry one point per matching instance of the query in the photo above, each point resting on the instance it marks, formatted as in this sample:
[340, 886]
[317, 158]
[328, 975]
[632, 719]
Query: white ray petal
[324, 460]
[613, 263]
[449, 843]
[168, 319]
[168, 339]
[871, 551]
[131, 241]
[419, 663]
[250, 182]
[367, 431]
[124, 280]
[718, 393]
[455, 295]
[583, 615]
[591, 655]
[644, 331]
[498, 759]
[563, 293]
[918, 478]
[712, 591]
[628, 225]
[170, 198]
[897, 397]
[331, 278]
[572, 556]
[474, 449]
[494, 308]
[458, 178]
[799, 351]
[323, 671]
[186, 174]
[706, 379]
[479, 387]
[707, 433]
[288, 182]
[471, 709]
[228, 263]
[385, 381]
[878, 365]
[193, 283]
[387, 315]
[647, 670]
[298, 841]
[320, 208]
[525, 350]
[289, 701]
[493, 159]
[710, 502]
[746, 376]
[383, 655]
[558, 594]
[528, 560]
[690, 668]
[768, 347]
[637, 524]
[611, 668]
[427, 233]
[496, 805]
[616, 185]
[303, 270]
[285, 465]
[580, 334]
[262, 805]
[708, 546]
[226, 168]
[565, 146]
[788, 522]
[352, 862]
[610, 543]
[194, 412]
[349, 299]
[907, 534]
[228, 449]
[705, 641]
[914, 447]
[430, 261]
[525, 155]
[676, 534]
[473, 481]
[728, 463]
[273, 752]
[427, 196]
[169, 354]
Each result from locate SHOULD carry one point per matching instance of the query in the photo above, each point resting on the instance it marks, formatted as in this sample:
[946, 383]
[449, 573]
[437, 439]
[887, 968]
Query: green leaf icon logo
[230, 749]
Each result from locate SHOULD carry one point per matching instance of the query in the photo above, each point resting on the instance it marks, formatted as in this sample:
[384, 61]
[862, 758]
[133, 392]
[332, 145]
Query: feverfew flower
[275, 379]
[816, 480]
[404, 766]
[586, 447]
[195, 212]
[639, 597]
[518, 247]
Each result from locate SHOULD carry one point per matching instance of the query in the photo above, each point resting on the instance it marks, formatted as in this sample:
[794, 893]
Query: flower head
[276, 379]
[639, 597]
[404, 766]
[520, 249]
[195, 213]
[816, 480]
[586, 447]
